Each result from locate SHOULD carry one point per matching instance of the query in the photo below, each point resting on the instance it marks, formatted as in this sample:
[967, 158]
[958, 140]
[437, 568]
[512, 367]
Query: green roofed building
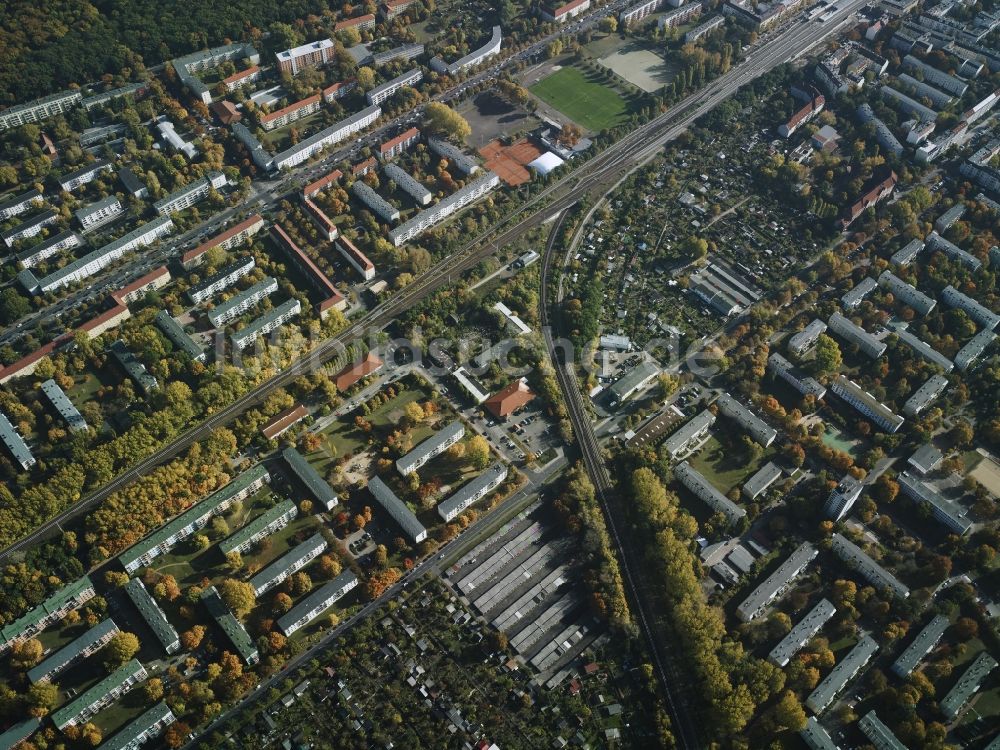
[285, 565]
[263, 525]
[193, 519]
[317, 602]
[178, 336]
[233, 628]
[153, 615]
[83, 646]
[19, 733]
[148, 726]
[65, 600]
[104, 693]
[308, 476]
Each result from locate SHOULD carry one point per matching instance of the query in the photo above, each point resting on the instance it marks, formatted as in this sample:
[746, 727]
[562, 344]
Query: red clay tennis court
[510, 162]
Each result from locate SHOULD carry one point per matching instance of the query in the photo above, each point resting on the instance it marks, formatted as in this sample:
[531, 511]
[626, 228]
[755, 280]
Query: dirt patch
[640, 66]
[358, 468]
[492, 117]
[510, 162]
[987, 473]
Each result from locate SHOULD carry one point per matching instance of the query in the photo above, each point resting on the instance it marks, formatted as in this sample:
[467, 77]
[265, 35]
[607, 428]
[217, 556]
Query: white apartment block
[46, 249]
[690, 435]
[19, 204]
[73, 180]
[190, 194]
[90, 642]
[854, 334]
[311, 146]
[803, 341]
[71, 596]
[433, 446]
[222, 280]
[30, 227]
[269, 321]
[101, 695]
[98, 213]
[420, 194]
[472, 492]
[979, 313]
[238, 304]
[441, 211]
[777, 583]
[291, 113]
[292, 562]
[277, 517]
[39, 109]
[380, 93]
[906, 293]
[637, 12]
[492, 47]
[871, 571]
[316, 603]
[867, 404]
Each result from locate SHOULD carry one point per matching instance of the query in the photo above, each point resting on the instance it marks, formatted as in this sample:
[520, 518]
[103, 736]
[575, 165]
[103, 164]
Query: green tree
[13, 306]
[788, 712]
[828, 356]
[42, 698]
[238, 596]
[366, 78]
[442, 120]
[122, 647]
[693, 247]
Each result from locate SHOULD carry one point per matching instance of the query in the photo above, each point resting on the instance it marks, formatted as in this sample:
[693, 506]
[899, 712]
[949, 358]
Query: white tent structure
[546, 163]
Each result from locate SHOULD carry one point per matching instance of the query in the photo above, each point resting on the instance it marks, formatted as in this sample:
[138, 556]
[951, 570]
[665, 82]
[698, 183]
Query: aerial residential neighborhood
[515, 375]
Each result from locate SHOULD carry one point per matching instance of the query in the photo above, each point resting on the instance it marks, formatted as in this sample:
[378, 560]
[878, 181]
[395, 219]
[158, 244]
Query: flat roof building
[845, 670]
[633, 381]
[221, 280]
[922, 645]
[816, 737]
[317, 602]
[878, 733]
[949, 514]
[382, 92]
[39, 109]
[967, 685]
[979, 313]
[908, 253]
[311, 55]
[233, 628]
[18, 733]
[272, 320]
[61, 403]
[455, 156]
[291, 562]
[867, 405]
[188, 65]
[949, 217]
[854, 334]
[472, 492]
[777, 583]
[973, 350]
[803, 631]
[754, 426]
[19, 204]
[194, 518]
[268, 522]
[433, 446]
[71, 596]
[309, 147]
[925, 395]
[178, 336]
[763, 478]
[925, 459]
[85, 174]
[15, 444]
[804, 384]
[706, 492]
[153, 616]
[690, 435]
[30, 227]
[416, 190]
[842, 497]
[472, 387]
[857, 294]
[870, 570]
[441, 210]
[79, 648]
[307, 475]
[378, 205]
[147, 727]
[97, 697]
[190, 194]
[396, 508]
[492, 47]
[803, 341]
[99, 213]
[906, 293]
[238, 304]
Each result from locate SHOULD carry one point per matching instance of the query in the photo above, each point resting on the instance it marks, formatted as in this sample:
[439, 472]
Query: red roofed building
[394, 147]
[364, 167]
[320, 219]
[361, 22]
[356, 258]
[155, 279]
[283, 422]
[392, 8]
[106, 321]
[879, 191]
[332, 298]
[804, 115]
[511, 399]
[241, 78]
[355, 372]
[226, 112]
[291, 113]
[339, 90]
[230, 238]
[563, 12]
[321, 184]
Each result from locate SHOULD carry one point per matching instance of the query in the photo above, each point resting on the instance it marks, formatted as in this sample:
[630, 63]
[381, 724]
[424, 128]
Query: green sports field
[583, 99]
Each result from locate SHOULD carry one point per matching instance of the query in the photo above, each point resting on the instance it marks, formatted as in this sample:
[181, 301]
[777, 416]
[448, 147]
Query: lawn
[725, 468]
[582, 98]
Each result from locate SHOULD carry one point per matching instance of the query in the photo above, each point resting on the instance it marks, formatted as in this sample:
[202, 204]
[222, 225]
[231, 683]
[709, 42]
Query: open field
[582, 98]
[987, 473]
[640, 66]
[492, 117]
[724, 467]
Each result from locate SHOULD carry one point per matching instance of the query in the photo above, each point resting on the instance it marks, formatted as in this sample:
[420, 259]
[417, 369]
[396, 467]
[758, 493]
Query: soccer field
[584, 100]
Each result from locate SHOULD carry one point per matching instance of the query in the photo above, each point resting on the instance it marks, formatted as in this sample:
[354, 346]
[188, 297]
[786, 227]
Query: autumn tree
[122, 647]
[828, 356]
[478, 451]
[192, 637]
[239, 596]
[443, 121]
[26, 654]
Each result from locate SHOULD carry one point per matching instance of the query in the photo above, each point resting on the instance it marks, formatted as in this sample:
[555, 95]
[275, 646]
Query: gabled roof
[355, 372]
[510, 399]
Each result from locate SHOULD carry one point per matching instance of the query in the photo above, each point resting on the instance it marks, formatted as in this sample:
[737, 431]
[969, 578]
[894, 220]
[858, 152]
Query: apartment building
[221, 280]
[777, 583]
[845, 671]
[375, 202]
[804, 630]
[138, 289]
[973, 350]
[310, 479]
[187, 66]
[690, 435]
[921, 348]
[853, 298]
[99, 213]
[238, 304]
[190, 194]
[90, 642]
[488, 50]
[292, 562]
[30, 227]
[338, 90]
[639, 11]
[269, 321]
[842, 498]
[15, 444]
[878, 733]
[291, 113]
[302, 151]
[268, 522]
[564, 12]
[358, 260]
[395, 146]
[393, 8]
[153, 616]
[39, 109]
[420, 194]
[455, 156]
[867, 405]
[311, 55]
[952, 84]
[804, 340]
[803, 115]
[749, 422]
[816, 737]
[317, 602]
[380, 93]
[71, 596]
[967, 686]
[763, 478]
[949, 514]
[84, 175]
[19, 204]
[979, 313]
[472, 492]
[314, 188]
[704, 29]
[323, 222]
[804, 384]
[397, 510]
[922, 645]
[908, 253]
[854, 334]
[433, 446]
[282, 422]
[360, 23]
[132, 184]
[61, 403]
[871, 571]
[93, 700]
[242, 78]
[331, 297]
[906, 293]
[193, 519]
[706, 492]
[445, 208]
[235, 235]
[878, 192]
[936, 242]
[234, 630]
[134, 369]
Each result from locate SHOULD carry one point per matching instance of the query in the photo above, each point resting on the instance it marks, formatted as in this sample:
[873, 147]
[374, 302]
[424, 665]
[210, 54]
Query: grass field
[724, 468]
[582, 98]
